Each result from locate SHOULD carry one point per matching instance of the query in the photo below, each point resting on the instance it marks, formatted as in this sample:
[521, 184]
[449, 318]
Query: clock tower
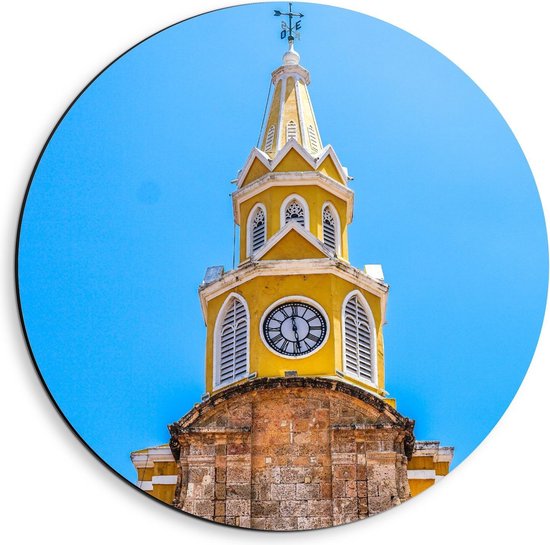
[295, 429]
[294, 305]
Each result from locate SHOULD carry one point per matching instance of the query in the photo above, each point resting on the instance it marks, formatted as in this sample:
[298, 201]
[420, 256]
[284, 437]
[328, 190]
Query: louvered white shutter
[258, 233]
[357, 340]
[233, 343]
[269, 139]
[291, 130]
[313, 143]
[329, 229]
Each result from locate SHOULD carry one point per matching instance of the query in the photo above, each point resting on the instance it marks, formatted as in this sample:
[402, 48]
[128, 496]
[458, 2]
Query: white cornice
[150, 456]
[290, 70]
[292, 179]
[253, 269]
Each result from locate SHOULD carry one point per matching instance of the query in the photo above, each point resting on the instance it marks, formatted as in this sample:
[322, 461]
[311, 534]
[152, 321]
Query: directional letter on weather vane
[288, 29]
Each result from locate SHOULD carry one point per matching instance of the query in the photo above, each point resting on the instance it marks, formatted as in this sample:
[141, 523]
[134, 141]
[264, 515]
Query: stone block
[219, 509]
[311, 523]
[238, 474]
[344, 471]
[310, 491]
[243, 490]
[289, 508]
[283, 491]
[202, 508]
[345, 506]
[243, 521]
[268, 508]
[258, 523]
[319, 508]
[237, 448]
[221, 474]
[379, 504]
[237, 508]
[219, 491]
[281, 523]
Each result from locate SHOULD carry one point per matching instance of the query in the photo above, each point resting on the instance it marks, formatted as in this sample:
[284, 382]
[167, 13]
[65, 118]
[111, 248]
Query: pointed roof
[291, 113]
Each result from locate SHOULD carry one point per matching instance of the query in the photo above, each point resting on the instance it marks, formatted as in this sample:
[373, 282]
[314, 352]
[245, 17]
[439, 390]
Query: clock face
[294, 328]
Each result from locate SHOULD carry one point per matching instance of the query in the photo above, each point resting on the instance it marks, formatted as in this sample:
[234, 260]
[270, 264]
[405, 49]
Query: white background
[52, 487]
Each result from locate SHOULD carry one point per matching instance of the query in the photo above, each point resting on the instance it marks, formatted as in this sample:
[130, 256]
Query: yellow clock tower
[294, 305]
[295, 430]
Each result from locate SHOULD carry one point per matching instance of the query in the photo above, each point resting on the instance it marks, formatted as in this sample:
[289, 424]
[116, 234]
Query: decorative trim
[302, 299]
[289, 267]
[300, 109]
[292, 179]
[313, 161]
[374, 340]
[421, 474]
[165, 479]
[280, 120]
[286, 202]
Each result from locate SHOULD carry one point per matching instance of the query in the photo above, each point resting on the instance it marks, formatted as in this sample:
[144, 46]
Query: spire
[291, 112]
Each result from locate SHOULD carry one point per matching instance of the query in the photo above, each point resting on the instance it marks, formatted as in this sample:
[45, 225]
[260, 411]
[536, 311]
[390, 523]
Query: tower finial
[289, 30]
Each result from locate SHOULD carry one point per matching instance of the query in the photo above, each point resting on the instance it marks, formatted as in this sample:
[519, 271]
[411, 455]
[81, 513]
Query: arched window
[359, 345]
[291, 130]
[313, 143]
[269, 138]
[294, 211]
[330, 228]
[231, 342]
[257, 229]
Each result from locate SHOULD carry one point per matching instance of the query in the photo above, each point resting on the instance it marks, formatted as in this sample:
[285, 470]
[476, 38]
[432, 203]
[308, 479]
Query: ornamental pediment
[293, 157]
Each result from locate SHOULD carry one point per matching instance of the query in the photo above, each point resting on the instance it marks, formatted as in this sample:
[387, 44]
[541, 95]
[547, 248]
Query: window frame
[337, 226]
[249, 222]
[218, 328]
[304, 205]
[373, 339]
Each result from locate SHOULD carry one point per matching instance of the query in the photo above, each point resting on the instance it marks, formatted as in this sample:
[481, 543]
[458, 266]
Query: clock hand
[295, 329]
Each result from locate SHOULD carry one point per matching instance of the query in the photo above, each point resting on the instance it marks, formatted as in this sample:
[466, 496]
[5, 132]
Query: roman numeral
[312, 337]
[276, 339]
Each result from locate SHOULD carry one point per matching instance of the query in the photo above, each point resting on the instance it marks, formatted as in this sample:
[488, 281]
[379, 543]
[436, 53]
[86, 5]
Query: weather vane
[289, 29]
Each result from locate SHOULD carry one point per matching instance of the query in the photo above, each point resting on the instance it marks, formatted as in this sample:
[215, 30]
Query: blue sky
[130, 203]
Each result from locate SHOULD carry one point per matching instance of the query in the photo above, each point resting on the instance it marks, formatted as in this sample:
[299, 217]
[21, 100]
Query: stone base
[291, 454]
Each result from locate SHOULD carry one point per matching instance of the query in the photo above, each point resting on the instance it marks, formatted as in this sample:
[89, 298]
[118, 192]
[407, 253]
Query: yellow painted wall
[293, 246]
[328, 168]
[307, 110]
[328, 291]
[290, 111]
[273, 197]
[422, 462]
[419, 485]
[257, 170]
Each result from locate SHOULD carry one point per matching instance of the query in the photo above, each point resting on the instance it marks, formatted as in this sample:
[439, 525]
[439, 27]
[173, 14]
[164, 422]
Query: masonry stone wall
[292, 453]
